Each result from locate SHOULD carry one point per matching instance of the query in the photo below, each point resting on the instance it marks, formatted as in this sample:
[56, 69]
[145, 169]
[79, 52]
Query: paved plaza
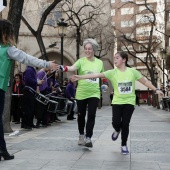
[55, 147]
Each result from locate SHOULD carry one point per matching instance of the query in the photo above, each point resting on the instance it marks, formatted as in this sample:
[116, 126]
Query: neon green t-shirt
[123, 84]
[88, 87]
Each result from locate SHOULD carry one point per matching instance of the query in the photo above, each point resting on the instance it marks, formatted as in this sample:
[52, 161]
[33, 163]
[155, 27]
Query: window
[142, 8]
[130, 35]
[144, 18]
[125, 11]
[113, 12]
[127, 23]
[142, 58]
[129, 47]
[113, 23]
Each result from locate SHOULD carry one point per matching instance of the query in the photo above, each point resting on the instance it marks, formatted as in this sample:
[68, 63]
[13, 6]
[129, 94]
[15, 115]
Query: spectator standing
[8, 51]
[17, 92]
[70, 94]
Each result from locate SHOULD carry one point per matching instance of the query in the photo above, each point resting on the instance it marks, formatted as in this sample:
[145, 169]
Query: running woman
[87, 91]
[123, 104]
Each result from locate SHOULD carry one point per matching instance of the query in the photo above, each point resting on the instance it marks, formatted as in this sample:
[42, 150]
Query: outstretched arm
[150, 85]
[87, 76]
[67, 68]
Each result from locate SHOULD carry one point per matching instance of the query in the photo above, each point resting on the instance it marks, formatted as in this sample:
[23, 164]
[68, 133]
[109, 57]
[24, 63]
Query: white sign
[3, 4]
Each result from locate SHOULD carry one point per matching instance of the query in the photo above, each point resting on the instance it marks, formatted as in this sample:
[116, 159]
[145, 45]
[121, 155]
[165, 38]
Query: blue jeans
[2, 102]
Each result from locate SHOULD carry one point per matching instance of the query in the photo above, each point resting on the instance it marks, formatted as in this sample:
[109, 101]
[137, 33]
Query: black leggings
[2, 102]
[121, 116]
[92, 107]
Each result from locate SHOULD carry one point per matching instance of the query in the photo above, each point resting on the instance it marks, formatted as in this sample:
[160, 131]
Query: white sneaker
[115, 135]
[88, 142]
[81, 140]
[124, 150]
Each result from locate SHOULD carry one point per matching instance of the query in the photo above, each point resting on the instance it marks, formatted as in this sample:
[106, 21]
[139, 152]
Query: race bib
[93, 80]
[125, 87]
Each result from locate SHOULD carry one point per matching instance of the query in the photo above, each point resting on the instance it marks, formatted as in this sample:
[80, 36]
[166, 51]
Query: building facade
[139, 27]
[32, 12]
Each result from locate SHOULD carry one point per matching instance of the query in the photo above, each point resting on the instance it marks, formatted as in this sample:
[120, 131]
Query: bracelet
[156, 90]
[63, 68]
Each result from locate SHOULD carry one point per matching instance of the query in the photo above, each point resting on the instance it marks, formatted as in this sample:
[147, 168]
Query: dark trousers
[28, 105]
[41, 113]
[71, 113]
[121, 116]
[2, 102]
[92, 107]
[16, 108]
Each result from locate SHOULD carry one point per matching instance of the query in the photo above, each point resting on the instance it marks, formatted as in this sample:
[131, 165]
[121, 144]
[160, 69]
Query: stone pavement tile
[164, 166]
[111, 165]
[59, 155]
[24, 154]
[22, 164]
[150, 157]
[144, 166]
[104, 156]
[59, 164]
[84, 164]
[150, 146]
[61, 144]
[11, 162]
[16, 167]
[32, 163]
[152, 126]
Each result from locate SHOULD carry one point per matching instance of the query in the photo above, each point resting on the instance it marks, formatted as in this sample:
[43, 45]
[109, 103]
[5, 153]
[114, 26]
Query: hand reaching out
[75, 77]
[54, 66]
[159, 92]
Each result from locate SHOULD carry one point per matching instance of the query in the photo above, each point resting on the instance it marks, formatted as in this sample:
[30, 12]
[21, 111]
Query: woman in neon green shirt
[88, 91]
[123, 81]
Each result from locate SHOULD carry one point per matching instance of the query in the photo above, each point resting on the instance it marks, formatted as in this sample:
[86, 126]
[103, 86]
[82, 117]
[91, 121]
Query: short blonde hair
[93, 42]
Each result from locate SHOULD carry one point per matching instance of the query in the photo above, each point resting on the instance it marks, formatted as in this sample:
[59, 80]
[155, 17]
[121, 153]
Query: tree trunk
[78, 43]
[42, 47]
[14, 15]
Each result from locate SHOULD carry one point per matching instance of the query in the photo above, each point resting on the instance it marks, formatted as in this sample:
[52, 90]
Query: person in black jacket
[17, 92]
[70, 94]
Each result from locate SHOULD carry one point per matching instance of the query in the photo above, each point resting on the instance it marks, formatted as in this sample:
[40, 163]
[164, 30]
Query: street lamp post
[62, 32]
[163, 52]
[155, 74]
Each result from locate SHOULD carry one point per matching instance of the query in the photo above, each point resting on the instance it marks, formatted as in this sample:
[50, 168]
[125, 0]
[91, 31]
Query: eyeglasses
[16, 78]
